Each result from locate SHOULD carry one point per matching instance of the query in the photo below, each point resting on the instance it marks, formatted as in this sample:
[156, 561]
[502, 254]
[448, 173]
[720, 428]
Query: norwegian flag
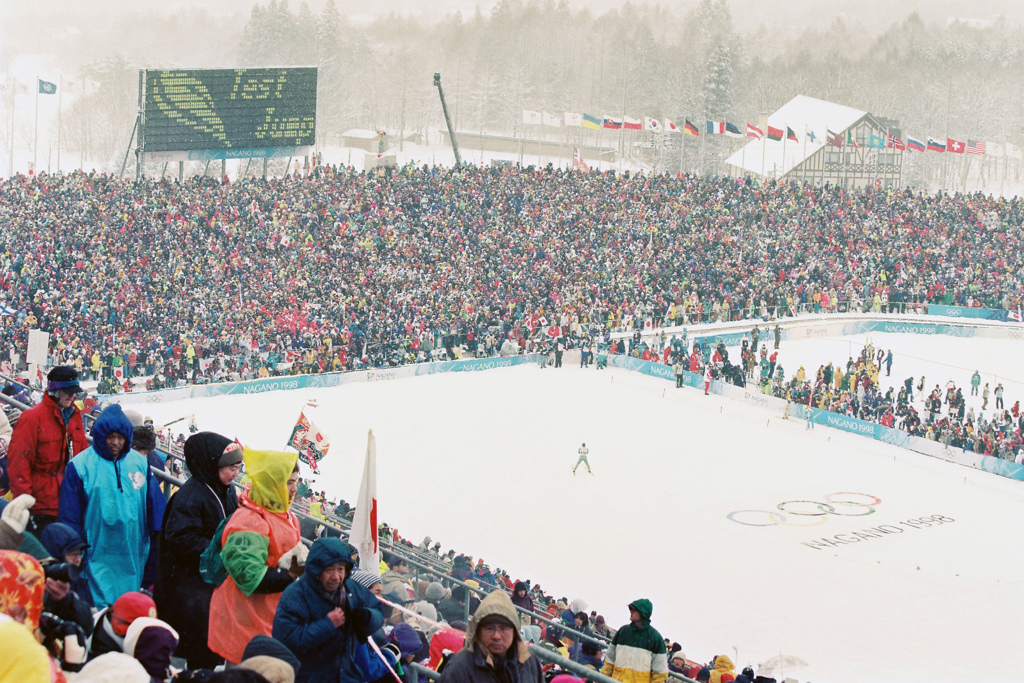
[975, 147]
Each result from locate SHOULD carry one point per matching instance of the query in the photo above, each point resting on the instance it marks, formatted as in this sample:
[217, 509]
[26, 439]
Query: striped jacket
[637, 653]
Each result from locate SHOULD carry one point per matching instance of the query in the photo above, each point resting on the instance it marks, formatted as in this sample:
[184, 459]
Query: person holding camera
[67, 590]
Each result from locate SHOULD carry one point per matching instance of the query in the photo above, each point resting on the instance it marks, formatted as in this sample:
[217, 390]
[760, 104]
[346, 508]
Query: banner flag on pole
[311, 443]
[363, 535]
[47, 88]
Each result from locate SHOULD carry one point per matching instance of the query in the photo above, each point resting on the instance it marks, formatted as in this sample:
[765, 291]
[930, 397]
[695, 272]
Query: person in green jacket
[637, 653]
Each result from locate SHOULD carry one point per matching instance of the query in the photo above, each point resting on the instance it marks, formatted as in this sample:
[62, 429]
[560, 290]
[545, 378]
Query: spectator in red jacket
[45, 438]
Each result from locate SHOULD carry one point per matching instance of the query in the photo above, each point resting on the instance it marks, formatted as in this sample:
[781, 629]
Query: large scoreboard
[228, 113]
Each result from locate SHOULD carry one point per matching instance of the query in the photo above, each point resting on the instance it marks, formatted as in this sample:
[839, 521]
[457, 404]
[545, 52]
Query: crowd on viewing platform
[211, 280]
[104, 576]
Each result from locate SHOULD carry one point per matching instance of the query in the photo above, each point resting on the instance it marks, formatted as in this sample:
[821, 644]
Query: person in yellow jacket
[262, 553]
[723, 667]
[637, 653]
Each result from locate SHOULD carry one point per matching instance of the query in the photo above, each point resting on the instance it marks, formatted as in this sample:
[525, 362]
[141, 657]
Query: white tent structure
[807, 155]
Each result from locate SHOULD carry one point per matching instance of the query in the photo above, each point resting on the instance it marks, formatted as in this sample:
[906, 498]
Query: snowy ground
[481, 462]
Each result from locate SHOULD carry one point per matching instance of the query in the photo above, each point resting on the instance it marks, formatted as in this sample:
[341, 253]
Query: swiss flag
[955, 146]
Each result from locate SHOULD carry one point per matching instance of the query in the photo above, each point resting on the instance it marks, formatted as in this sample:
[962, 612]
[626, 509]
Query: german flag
[690, 129]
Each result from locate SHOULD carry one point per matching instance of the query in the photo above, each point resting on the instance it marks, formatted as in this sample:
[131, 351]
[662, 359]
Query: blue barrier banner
[1005, 468]
[963, 312]
[329, 379]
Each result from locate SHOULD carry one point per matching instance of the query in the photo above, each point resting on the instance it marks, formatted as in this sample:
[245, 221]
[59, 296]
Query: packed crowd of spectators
[210, 280]
[108, 577]
[229, 280]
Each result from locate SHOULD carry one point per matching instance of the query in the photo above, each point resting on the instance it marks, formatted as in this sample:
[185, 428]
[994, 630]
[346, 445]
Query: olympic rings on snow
[809, 512]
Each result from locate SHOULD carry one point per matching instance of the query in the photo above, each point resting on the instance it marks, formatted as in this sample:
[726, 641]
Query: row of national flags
[886, 140]
[584, 120]
[13, 85]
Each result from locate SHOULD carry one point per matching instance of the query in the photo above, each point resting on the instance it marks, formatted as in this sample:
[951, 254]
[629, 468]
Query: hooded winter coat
[254, 539]
[525, 602]
[60, 539]
[475, 664]
[637, 653]
[42, 443]
[301, 621]
[116, 506]
[76, 605]
[190, 520]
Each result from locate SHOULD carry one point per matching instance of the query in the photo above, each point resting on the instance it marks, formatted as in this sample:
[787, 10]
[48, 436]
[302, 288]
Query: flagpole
[764, 146]
[785, 134]
[702, 138]
[14, 94]
[743, 158]
[60, 98]
[803, 164]
[1003, 162]
[682, 142]
[35, 142]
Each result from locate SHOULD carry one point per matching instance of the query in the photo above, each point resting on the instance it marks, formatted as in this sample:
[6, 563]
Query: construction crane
[448, 120]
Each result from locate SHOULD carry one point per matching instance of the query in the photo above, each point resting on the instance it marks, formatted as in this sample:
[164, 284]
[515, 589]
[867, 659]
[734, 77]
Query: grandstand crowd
[210, 280]
[104, 576]
[213, 280]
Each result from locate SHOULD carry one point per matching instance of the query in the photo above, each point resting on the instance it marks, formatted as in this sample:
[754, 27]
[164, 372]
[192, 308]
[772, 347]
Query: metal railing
[548, 656]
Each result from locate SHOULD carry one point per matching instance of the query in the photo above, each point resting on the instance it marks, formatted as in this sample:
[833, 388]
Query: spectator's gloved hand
[65, 640]
[16, 513]
[75, 650]
[299, 552]
[360, 618]
[394, 651]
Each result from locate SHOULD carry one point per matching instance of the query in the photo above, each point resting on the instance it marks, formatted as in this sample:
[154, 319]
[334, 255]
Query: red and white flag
[671, 127]
[363, 535]
[577, 160]
[754, 132]
[1015, 316]
[308, 439]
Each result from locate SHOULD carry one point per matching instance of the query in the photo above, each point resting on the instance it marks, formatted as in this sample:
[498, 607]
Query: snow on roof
[808, 118]
[360, 133]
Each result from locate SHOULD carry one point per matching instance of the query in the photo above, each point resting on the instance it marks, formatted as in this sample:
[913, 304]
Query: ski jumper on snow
[583, 451]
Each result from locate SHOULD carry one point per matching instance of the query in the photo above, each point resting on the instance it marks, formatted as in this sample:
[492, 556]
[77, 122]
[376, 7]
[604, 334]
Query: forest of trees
[637, 60]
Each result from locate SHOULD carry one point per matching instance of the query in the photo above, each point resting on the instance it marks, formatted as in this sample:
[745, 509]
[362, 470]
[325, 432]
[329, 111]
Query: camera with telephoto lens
[61, 571]
[64, 640]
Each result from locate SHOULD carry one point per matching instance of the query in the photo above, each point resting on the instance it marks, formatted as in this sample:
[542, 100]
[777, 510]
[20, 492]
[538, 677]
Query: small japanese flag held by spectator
[1015, 316]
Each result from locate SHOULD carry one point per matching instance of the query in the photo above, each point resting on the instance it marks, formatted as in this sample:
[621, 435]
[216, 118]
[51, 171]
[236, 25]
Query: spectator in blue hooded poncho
[110, 497]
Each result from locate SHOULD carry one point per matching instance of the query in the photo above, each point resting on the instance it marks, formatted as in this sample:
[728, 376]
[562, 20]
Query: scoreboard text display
[229, 109]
